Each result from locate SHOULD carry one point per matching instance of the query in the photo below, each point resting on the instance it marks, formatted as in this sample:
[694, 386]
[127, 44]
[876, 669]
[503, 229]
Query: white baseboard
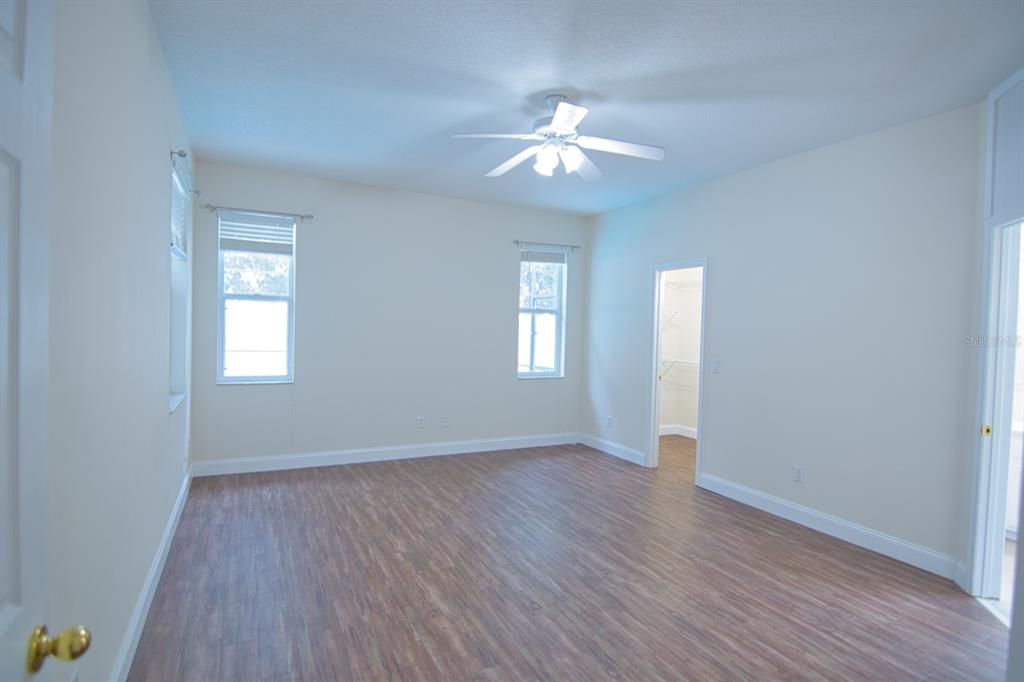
[677, 430]
[989, 604]
[612, 448]
[962, 577]
[130, 641]
[890, 546]
[303, 460]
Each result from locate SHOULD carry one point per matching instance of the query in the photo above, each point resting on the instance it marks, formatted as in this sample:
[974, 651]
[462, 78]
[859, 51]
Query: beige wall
[405, 307]
[840, 284]
[117, 459]
[680, 347]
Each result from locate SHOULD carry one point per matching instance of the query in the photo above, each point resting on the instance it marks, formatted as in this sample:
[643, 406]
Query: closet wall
[679, 369]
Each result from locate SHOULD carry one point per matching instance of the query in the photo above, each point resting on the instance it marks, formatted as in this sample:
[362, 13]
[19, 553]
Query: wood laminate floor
[555, 563]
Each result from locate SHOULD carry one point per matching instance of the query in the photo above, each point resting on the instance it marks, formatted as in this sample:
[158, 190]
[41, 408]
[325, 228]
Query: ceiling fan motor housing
[542, 126]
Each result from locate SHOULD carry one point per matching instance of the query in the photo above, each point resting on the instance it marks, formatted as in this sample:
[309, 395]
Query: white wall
[1013, 478]
[117, 458]
[1015, 662]
[680, 347]
[841, 283]
[405, 307]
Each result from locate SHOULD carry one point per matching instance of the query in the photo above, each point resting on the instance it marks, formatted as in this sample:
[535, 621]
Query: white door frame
[651, 458]
[981, 576]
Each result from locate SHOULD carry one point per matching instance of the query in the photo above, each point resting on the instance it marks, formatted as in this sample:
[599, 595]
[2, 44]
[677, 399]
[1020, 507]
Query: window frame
[180, 256]
[223, 298]
[559, 312]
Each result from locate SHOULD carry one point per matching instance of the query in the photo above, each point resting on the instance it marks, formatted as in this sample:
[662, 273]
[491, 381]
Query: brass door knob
[986, 430]
[67, 646]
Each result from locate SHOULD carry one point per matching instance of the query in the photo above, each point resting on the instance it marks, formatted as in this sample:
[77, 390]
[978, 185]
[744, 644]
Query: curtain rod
[519, 242]
[300, 216]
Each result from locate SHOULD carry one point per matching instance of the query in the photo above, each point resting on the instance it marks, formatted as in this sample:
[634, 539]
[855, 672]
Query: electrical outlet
[420, 422]
[609, 422]
[444, 422]
[798, 473]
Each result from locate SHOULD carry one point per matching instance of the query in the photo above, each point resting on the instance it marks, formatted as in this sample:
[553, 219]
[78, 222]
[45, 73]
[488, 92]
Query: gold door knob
[67, 646]
[986, 430]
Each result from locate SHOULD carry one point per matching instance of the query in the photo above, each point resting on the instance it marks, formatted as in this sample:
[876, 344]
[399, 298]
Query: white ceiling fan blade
[498, 136]
[567, 117]
[588, 171]
[514, 161]
[603, 144]
[576, 161]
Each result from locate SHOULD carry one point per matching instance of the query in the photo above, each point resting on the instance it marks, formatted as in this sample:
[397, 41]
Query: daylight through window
[541, 320]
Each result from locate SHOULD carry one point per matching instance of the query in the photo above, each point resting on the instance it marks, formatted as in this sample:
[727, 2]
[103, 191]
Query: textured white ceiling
[371, 91]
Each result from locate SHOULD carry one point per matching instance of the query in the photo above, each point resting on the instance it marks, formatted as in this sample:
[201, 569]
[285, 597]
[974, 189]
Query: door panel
[26, 75]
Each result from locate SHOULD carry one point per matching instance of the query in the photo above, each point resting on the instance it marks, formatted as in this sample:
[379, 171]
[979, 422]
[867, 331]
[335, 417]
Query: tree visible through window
[541, 297]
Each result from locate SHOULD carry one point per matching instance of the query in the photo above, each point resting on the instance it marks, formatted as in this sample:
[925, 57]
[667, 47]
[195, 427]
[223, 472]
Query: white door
[26, 91]
[998, 433]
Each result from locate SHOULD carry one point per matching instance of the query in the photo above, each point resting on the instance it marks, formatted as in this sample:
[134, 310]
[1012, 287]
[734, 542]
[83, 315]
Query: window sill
[174, 401]
[534, 377]
[253, 382]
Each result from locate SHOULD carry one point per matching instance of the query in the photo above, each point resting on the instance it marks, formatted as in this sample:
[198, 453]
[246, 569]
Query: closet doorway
[680, 296]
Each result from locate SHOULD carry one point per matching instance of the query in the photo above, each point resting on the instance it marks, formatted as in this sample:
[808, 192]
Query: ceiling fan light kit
[547, 159]
[561, 143]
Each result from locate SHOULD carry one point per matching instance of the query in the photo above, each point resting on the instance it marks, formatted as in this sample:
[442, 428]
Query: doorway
[680, 296]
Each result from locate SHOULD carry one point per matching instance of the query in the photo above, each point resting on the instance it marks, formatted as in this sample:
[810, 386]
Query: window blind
[246, 231]
[541, 257]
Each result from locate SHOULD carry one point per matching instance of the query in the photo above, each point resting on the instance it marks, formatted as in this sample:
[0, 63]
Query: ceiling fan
[558, 141]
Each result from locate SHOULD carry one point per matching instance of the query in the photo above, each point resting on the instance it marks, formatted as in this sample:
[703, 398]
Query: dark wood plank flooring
[547, 564]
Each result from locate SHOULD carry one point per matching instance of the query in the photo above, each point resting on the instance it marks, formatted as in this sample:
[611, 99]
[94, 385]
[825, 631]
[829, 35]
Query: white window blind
[259, 232]
[542, 277]
[257, 297]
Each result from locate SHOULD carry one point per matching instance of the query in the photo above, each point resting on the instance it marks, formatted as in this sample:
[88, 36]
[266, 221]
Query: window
[257, 298]
[541, 317]
[181, 219]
